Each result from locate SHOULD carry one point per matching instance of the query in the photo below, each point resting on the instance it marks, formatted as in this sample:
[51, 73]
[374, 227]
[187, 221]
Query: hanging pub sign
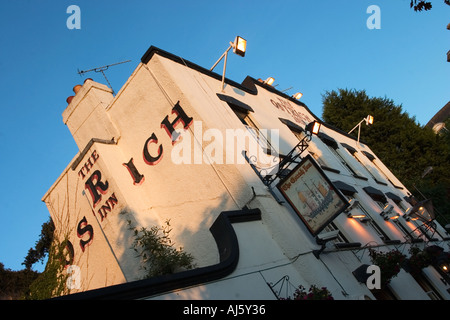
[312, 195]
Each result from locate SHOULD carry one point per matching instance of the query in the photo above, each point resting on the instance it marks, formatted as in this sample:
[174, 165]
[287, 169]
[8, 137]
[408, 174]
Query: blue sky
[312, 46]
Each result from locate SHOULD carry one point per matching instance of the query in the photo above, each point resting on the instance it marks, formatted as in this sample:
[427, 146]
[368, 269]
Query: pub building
[257, 189]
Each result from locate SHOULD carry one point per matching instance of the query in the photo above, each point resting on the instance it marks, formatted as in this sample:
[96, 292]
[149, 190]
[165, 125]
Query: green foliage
[418, 260]
[42, 247]
[14, 285]
[420, 5]
[314, 293]
[404, 146]
[389, 262]
[157, 252]
[52, 282]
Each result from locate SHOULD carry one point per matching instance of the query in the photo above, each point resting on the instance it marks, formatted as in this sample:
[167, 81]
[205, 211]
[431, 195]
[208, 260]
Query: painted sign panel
[312, 195]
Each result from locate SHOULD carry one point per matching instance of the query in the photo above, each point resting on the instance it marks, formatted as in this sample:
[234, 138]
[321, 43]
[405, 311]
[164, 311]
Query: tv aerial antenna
[102, 70]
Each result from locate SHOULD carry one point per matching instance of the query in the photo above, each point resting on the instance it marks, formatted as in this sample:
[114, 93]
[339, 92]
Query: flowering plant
[314, 293]
[418, 260]
[388, 262]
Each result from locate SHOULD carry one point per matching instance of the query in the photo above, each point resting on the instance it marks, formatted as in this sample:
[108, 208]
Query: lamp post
[368, 120]
[239, 47]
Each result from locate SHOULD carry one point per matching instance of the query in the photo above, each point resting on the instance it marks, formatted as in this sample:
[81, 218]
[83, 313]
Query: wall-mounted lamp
[368, 120]
[313, 128]
[298, 95]
[423, 210]
[322, 239]
[239, 47]
[352, 204]
[387, 210]
[269, 81]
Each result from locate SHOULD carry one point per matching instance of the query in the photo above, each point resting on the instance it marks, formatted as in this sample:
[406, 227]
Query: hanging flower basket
[314, 293]
[418, 260]
[389, 263]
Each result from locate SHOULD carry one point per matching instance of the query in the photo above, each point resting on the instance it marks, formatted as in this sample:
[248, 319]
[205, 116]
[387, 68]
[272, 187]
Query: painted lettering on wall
[285, 106]
[152, 153]
[85, 232]
[97, 187]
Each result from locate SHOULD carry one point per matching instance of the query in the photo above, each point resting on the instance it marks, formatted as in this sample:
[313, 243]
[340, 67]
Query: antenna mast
[102, 70]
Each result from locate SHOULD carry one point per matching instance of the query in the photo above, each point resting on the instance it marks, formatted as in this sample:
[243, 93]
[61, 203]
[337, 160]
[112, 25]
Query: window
[333, 147]
[243, 111]
[423, 282]
[368, 220]
[251, 126]
[373, 173]
[332, 227]
[372, 160]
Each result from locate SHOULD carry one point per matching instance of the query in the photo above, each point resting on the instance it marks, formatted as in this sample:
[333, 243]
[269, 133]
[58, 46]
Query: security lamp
[368, 120]
[312, 128]
[356, 216]
[322, 239]
[386, 211]
[269, 81]
[239, 46]
[351, 204]
[298, 95]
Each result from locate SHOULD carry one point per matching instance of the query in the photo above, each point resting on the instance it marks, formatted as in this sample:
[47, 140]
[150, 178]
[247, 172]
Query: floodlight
[368, 120]
[239, 46]
[313, 127]
[298, 95]
[269, 81]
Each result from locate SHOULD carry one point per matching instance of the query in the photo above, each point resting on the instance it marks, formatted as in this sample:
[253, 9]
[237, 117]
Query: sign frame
[314, 219]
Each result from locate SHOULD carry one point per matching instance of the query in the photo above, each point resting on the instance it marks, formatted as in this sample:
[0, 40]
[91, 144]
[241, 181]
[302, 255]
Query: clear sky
[312, 46]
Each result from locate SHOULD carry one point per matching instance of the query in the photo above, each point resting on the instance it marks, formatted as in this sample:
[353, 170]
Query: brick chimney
[86, 115]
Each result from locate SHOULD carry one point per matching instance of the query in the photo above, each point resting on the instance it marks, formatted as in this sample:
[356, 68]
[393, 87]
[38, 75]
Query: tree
[419, 5]
[15, 285]
[42, 247]
[398, 140]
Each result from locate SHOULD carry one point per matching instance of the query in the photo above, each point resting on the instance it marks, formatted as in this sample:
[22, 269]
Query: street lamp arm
[358, 125]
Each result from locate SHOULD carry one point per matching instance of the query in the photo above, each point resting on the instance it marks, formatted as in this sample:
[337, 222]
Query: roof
[249, 85]
[440, 116]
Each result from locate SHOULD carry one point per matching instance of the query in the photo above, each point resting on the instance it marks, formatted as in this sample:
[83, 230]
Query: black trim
[249, 85]
[291, 125]
[152, 50]
[86, 149]
[227, 244]
[345, 188]
[349, 148]
[235, 103]
[375, 194]
[328, 140]
[369, 155]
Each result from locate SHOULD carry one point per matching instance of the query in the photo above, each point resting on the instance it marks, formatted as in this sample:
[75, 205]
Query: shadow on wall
[228, 248]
